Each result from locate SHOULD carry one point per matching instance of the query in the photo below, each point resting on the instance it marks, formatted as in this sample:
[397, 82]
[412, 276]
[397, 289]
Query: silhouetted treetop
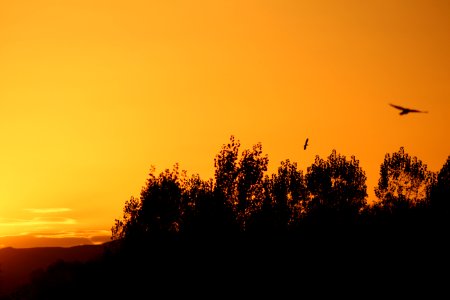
[404, 181]
[239, 180]
[288, 193]
[242, 200]
[130, 223]
[337, 187]
[225, 165]
[159, 208]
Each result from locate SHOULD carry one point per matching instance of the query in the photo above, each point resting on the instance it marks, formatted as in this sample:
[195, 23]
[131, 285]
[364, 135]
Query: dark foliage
[337, 188]
[245, 232]
[440, 197]
[404, 181]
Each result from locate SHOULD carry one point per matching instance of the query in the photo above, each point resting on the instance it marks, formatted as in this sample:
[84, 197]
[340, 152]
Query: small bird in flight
[405, 110]
[306, 144]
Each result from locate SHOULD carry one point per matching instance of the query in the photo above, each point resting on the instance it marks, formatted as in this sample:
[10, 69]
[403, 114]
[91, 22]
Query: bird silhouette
[306, 144]
[405, 110]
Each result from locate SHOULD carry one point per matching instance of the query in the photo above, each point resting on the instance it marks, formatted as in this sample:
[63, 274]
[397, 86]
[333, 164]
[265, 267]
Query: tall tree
[129, 224]
[337, 188]
[288, 193]
[226, 170]
[239, 181]
[404, 181]
[161, 202]
[158, 211]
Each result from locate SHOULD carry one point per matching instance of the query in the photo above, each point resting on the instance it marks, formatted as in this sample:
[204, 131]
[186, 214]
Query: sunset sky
[93, 93]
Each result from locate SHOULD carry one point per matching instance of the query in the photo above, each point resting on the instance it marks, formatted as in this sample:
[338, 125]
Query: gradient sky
[92, 93]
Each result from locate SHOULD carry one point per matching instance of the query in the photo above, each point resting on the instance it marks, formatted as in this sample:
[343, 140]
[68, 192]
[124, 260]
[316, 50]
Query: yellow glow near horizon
[94, 92]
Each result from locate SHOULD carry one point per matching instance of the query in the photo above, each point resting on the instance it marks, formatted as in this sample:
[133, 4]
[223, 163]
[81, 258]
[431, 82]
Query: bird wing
[419, 111]
[406, 110]
[398, 107]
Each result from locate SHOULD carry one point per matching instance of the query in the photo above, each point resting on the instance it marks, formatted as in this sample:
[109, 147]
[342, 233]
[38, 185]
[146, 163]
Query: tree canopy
[337, 187]
[404, 181]
[243, 198]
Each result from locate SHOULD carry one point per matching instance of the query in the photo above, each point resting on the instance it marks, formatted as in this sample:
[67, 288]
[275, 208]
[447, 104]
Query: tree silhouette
[161, 202]
[157, 212]
[288, 193]
[129, 224]
[440, 196]
[404, 182]
[240, 181]
[201, 214]
[226, 169]
[337, 188]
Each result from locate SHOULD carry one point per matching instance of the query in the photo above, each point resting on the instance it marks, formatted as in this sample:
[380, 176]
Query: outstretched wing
[306, 144]
[419, 111]
[405, 110]
[398, 107]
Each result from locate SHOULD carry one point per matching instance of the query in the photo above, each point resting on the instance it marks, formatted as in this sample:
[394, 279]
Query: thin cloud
[88, 234]
[48, 210]
[37, 221]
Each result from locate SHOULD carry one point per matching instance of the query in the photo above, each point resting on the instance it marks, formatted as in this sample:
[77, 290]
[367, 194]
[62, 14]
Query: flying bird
[405, 110]
[306, 144]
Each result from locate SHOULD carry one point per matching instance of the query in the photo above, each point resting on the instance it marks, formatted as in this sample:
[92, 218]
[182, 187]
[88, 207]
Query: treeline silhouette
[246, 231]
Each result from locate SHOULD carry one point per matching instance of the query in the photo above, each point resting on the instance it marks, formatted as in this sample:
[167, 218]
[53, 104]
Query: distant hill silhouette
[30, 241]
[16, 264]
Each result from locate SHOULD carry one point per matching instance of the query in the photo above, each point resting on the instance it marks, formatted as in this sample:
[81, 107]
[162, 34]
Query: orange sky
[92, 93]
